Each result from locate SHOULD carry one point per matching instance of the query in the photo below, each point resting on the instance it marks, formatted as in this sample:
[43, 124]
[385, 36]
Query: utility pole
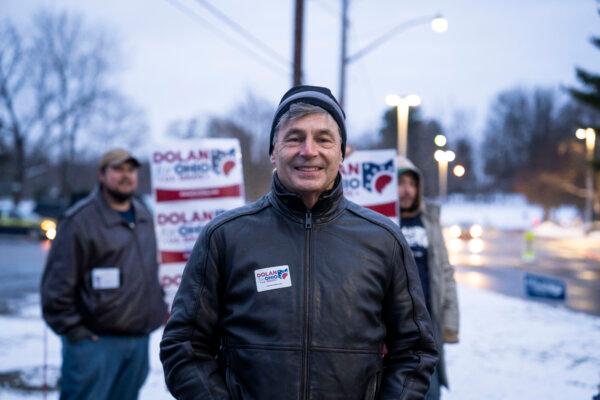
[298, 30]
[344, 52]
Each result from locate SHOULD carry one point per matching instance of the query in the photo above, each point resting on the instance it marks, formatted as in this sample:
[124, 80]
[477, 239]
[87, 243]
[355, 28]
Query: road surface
[495, 262]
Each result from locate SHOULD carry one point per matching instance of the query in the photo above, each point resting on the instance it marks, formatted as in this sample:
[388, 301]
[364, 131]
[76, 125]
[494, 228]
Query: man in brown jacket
[100, 289]
[420, 224]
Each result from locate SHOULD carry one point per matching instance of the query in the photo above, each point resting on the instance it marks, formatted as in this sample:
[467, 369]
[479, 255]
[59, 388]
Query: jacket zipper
[308, 228]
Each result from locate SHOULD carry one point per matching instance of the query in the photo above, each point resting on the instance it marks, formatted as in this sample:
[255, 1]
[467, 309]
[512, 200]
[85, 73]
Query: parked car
[16, 222]
[465, 231]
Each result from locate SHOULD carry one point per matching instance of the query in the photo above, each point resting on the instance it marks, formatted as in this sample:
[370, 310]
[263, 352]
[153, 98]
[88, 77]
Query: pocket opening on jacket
[232, 386]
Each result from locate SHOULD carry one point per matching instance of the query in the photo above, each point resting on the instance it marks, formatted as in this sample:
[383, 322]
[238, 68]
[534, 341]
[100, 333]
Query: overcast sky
[175, 66]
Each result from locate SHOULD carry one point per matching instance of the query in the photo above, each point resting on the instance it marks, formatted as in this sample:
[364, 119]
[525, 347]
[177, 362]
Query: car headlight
[50, 234]
[476, 231]
[47, 225]
[455, 231]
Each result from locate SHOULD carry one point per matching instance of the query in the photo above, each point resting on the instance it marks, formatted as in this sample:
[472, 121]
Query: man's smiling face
[308, 155]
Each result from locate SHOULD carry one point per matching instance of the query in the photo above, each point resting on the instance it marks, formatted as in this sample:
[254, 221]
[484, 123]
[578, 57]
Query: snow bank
[503, 211]
[550, 230]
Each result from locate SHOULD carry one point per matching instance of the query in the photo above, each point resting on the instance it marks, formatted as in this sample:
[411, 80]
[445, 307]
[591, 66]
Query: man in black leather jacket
[296, 295]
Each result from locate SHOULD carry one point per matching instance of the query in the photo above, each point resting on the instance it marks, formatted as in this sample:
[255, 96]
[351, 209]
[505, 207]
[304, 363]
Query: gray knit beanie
[316, 96]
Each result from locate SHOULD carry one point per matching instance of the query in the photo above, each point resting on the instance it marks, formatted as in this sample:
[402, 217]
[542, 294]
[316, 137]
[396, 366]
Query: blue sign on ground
[543, 286]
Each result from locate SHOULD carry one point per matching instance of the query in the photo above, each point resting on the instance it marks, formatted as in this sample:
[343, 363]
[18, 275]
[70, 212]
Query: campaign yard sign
[369, 178]
[193, 181]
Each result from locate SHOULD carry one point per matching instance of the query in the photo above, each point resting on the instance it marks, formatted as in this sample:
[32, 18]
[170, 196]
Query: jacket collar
[329, 205]
[111, 216]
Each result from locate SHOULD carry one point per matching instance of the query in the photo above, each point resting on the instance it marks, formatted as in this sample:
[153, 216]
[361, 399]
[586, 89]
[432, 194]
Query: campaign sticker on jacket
[106, 278]
[272, 278]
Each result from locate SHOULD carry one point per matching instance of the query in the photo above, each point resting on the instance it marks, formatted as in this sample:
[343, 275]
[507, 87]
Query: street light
[590, 141]
[438, 24]
[402, 105]
[443, 158]
[459, 171]
[440, 140]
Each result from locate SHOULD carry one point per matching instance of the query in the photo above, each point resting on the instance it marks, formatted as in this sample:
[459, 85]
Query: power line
[220, 33]
[388, 35]
[245, 33]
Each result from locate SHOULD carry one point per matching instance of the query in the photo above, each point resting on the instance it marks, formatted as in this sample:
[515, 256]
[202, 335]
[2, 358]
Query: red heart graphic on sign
[228, 166]
[382, 182]
[284, 275]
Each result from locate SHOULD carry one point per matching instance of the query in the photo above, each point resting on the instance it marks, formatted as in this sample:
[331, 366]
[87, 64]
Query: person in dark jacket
[293, 297]
[420, 224]
[100, 289]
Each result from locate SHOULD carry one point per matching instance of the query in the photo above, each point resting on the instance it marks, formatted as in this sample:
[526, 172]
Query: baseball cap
[115, 157]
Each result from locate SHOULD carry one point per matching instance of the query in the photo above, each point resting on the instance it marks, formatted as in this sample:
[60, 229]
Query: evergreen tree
[467, 183]
[590, 93]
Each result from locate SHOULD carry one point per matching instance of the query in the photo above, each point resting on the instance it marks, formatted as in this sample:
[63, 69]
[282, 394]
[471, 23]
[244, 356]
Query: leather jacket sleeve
[59, 281]
[412, 353]
[190, 340]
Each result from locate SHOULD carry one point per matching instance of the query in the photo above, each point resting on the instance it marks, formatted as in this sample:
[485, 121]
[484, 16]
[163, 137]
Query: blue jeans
[113, 367]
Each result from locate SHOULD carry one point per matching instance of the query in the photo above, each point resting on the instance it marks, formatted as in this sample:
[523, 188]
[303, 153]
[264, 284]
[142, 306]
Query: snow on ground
[502, 211]
[22, 348]
[510, 349]
[550, 230]
[514, 349]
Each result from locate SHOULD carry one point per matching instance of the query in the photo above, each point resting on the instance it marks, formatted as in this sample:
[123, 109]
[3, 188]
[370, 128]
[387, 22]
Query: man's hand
[81, 333]
[450, 336]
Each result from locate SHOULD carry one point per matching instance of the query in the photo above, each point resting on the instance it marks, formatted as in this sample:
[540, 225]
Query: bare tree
[19, 117]
[186, 128]
[530, 146]
[255, 115]
[257, 170]
[76, 66]
[115, 122]
[55, 87]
